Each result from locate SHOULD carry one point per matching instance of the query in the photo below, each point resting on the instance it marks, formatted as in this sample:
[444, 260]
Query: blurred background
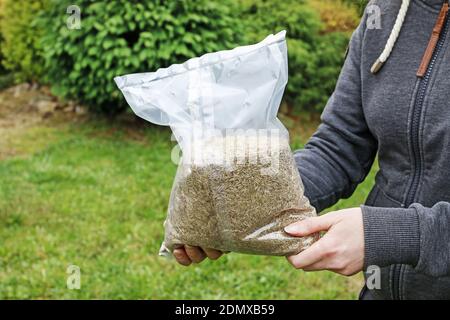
[85, 183]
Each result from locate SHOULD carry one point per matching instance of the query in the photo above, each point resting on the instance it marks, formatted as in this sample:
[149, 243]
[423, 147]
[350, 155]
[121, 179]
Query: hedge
[2, 68]
[124, 36]
[359, 4]
[127, 36]
[337, 16]
[315, 58]
[20, 47]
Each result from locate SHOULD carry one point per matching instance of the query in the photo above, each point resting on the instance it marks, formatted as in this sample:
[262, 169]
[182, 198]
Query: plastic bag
[237, 185]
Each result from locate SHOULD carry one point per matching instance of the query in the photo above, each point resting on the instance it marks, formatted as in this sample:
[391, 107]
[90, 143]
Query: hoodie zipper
[415, 136]
[416, 117]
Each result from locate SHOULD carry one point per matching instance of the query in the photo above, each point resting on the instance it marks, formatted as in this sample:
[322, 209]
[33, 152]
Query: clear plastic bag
[237, 185]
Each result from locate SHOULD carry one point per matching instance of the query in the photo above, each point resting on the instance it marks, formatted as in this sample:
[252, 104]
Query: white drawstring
[392, 38]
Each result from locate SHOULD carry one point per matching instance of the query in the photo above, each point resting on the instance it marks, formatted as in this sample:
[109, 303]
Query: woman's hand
[340, 250]
[186, 255]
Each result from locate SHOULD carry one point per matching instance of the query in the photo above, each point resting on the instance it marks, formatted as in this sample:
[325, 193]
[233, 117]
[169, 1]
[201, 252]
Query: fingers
[318, 266]
[186, 255]
[336, 266]
[181, 256]
[311, 225]
[196, 254]
[213, 254]
[310, 256]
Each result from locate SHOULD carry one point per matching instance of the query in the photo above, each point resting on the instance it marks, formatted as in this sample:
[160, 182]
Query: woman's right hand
[185, 255]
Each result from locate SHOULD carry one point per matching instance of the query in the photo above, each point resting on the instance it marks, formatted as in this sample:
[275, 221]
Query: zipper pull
[437, 30]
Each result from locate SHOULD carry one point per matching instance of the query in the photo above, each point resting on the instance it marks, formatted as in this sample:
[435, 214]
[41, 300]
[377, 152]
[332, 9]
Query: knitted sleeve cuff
[391, 235]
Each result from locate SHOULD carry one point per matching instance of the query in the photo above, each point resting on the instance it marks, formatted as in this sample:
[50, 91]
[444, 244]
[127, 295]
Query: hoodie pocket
[373, 196]
[378, 198]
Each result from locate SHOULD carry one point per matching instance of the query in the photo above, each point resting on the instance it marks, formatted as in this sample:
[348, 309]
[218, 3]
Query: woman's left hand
[340, 250]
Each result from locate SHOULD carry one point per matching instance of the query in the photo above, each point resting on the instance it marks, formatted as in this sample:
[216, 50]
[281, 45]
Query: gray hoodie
[405, 120]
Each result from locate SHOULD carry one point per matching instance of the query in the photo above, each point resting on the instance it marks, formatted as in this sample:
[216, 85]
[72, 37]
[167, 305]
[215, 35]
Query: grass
[95, 195]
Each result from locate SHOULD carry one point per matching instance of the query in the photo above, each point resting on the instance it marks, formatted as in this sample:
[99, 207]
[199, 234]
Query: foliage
[20, 47]
[315, 59]
[359, 4]
[2, 68]
[127, 36]
[314, 75]
[335, 15]
[6, 80]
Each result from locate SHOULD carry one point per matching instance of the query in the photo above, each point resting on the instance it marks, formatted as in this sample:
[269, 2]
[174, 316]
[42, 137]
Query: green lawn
[94, 194]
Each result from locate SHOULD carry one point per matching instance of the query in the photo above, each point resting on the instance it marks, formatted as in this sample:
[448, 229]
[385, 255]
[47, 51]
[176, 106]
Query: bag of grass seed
[237, 185]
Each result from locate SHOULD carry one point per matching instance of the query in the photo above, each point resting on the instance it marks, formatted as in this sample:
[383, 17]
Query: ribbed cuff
[391, 235]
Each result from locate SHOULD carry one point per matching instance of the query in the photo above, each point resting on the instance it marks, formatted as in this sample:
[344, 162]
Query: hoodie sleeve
[417, 236]
[340, 154]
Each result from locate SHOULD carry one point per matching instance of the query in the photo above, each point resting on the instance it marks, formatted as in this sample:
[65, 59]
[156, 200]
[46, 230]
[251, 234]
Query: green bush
[336, 15]
[359, 4]
[2, 68]
[329, 58]
[124, 36]
[6, 80]
[315, 59]
[20, 48]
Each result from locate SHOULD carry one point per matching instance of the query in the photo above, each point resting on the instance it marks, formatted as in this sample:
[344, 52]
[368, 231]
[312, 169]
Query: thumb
[311, 225]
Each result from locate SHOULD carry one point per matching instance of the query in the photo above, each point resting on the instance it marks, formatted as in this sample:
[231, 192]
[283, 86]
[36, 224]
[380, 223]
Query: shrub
[20, 46]
[315, 59]
[6, 80]
[358, 4]
[336, 15]
[269, 16]
[2, 68]
[330, 55]
[126, 36]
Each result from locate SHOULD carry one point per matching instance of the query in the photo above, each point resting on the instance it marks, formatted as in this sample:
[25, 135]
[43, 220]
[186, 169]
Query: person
[397, 108]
